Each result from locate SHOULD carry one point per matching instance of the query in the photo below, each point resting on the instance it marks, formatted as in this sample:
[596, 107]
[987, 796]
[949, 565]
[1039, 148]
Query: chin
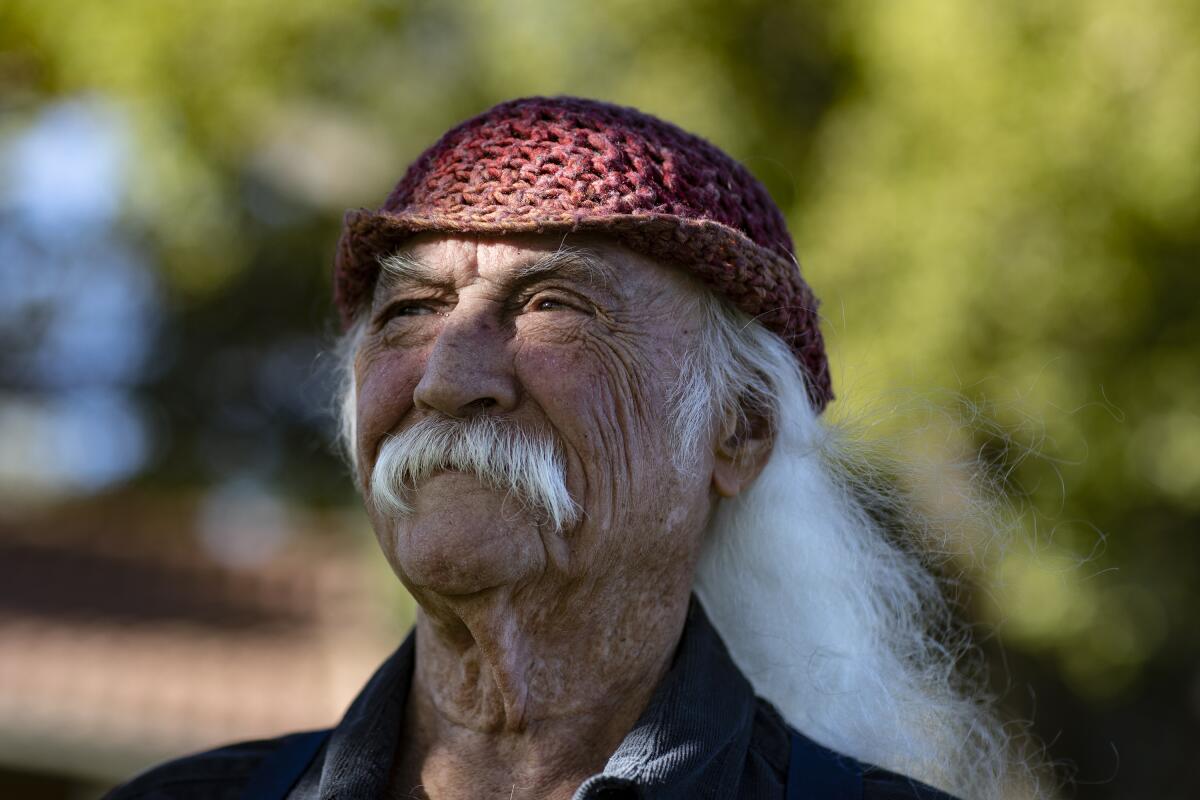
[462, 538]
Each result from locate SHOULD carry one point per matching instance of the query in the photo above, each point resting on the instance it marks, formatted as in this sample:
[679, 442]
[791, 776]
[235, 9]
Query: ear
[740, 455]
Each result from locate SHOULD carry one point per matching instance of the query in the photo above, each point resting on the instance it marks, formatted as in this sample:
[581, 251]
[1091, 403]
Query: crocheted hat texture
[551, 165]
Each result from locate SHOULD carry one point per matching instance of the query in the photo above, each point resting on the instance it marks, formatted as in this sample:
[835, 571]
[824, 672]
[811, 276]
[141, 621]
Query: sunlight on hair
[847, 632]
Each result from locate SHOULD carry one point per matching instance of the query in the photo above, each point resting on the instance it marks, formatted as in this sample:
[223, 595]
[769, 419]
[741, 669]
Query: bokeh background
[999, 204]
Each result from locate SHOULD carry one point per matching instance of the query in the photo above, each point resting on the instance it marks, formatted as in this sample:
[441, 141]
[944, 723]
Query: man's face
[586, 352]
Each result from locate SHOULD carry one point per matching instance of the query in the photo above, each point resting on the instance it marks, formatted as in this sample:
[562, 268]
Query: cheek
[610, 424]
[385, 394]
[558, 377]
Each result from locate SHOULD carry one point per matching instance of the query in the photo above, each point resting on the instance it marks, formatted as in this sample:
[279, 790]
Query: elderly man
[582, 398]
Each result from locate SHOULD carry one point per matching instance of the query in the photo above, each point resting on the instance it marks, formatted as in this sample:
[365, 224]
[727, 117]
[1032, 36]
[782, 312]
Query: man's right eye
[408, 308]
[413, 310]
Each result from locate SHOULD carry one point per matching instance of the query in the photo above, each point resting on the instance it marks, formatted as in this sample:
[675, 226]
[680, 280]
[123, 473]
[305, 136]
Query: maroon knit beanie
[550, 165]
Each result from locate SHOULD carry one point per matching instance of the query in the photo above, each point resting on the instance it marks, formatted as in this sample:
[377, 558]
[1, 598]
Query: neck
[519, 695]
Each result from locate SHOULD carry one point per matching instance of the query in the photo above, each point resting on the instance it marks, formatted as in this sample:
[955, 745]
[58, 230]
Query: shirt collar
[691, 740]
[693, 734]
[358, 758]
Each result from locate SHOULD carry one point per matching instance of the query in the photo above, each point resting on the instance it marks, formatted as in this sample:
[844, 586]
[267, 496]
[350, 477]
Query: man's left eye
[547, 304]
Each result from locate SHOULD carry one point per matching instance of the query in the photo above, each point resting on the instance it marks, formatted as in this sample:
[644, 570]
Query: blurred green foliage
[997, 202]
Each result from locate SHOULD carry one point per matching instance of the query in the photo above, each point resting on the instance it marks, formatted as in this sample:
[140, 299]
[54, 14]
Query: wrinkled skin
[537, 650]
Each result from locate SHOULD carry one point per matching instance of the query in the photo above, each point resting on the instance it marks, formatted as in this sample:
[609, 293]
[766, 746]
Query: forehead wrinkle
[579, 265]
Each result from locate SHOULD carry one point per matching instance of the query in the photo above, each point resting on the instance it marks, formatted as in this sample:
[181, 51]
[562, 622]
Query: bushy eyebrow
[401, 267]
[575, 264]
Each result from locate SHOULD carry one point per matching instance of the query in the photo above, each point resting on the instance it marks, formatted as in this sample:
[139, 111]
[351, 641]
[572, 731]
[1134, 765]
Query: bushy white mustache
[529, 465]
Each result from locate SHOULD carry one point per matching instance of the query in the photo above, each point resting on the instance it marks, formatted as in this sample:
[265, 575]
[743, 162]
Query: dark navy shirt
[703, 735]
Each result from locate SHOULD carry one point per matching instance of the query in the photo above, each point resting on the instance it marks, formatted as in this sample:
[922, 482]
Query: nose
[469, 369]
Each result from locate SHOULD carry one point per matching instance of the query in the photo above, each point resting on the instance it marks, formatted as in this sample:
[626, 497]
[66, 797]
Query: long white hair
[832, 618]
[837, 621]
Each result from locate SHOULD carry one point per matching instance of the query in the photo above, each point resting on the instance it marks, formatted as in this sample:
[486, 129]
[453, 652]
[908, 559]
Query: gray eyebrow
[402, 267]
[573, 263]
